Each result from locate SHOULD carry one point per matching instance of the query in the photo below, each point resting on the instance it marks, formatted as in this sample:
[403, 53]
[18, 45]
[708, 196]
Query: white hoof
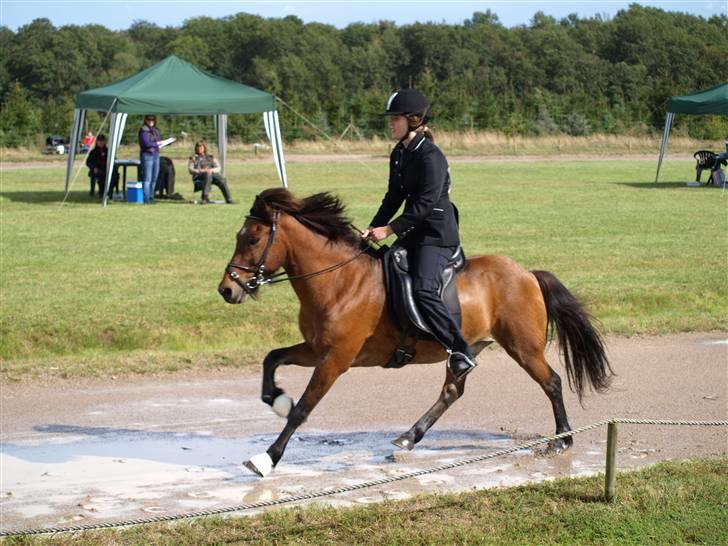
[260, 464]
[282, 405]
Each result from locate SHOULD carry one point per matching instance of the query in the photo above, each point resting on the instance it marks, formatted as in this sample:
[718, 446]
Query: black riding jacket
[419, 176]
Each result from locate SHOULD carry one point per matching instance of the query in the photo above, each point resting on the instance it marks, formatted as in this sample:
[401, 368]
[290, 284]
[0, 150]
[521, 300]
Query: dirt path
[100, 451]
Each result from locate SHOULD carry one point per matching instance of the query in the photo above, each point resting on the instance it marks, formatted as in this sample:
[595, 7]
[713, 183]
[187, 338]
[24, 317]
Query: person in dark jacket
[166, 180]
[96, 163]
[419, 176]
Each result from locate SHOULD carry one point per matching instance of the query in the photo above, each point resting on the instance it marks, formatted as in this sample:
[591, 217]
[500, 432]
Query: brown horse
[345, 321]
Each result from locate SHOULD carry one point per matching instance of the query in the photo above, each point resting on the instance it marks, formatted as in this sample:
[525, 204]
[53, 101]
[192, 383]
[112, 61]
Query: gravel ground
[85, 452]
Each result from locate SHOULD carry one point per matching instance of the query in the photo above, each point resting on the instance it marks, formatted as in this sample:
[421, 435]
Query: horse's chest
[313, 328]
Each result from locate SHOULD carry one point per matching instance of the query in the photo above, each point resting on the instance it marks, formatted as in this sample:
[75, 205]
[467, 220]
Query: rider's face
[398, 127]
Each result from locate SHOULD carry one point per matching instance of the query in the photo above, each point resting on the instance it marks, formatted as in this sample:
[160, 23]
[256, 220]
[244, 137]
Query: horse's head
[258, 253]
[262, 247]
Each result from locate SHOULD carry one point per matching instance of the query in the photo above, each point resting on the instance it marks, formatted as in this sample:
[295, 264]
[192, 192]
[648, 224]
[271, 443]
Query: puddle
[102, 474]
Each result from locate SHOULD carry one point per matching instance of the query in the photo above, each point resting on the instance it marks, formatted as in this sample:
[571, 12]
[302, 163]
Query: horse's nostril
[226, 293]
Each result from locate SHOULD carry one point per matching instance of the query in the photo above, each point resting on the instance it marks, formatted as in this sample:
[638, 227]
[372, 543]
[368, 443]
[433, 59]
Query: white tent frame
[116, 130]
[663, 145]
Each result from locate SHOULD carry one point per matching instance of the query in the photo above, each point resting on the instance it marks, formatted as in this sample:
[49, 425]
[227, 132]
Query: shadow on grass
[664, 185]
[76, 198]
[49, 197]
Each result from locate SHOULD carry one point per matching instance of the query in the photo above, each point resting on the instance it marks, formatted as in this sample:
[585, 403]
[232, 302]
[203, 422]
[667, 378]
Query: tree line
[573, 75]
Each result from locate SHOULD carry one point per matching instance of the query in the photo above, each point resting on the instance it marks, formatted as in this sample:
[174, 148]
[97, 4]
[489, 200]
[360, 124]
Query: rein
[259, 278]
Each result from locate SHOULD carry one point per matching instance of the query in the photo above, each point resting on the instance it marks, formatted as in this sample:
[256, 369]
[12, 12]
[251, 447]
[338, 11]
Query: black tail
[581, 343]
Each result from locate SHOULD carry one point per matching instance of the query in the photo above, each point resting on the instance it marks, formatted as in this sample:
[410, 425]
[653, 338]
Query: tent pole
[222, 140]
[663, 144]
[87, 153]
[116, 128]
[78, 117]
[273, 130]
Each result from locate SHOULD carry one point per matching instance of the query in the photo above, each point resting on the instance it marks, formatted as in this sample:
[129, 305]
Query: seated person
[88, 141]
[205, 172]
[96, 163]
[166, 180]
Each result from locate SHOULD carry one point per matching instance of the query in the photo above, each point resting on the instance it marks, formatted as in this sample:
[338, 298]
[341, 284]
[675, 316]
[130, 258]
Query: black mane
[322, 213]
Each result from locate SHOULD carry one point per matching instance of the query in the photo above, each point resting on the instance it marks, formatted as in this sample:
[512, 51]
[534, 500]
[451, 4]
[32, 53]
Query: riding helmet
[408, 101]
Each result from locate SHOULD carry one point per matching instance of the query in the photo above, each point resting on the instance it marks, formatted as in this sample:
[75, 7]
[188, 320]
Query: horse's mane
[322, 213]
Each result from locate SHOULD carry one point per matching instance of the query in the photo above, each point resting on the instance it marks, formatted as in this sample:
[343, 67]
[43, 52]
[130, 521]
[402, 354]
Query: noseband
[258, 279]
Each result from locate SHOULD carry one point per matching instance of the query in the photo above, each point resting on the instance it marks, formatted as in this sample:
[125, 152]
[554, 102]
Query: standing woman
[149, 139]
[428, 227]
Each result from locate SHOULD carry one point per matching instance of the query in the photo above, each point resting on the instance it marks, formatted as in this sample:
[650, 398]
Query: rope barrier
[364, 485]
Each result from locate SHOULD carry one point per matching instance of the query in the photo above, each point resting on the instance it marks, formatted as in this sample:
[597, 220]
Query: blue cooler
[135, 192]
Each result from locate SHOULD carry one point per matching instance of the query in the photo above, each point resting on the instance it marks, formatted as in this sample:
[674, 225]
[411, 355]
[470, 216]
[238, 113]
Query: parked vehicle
[56, 145]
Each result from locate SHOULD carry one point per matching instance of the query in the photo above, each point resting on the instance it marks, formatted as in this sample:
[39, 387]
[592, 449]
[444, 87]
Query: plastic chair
[706, 160]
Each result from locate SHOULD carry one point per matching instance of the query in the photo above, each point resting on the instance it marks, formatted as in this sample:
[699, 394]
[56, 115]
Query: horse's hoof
[260, 464]
[558, 446]
[282, 405]
[404, 443]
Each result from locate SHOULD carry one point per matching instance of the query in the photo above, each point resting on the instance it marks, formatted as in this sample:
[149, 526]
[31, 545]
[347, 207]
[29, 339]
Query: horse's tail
[581, 343]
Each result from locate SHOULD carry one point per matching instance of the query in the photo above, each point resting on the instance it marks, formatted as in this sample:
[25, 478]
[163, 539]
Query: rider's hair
[418, 124]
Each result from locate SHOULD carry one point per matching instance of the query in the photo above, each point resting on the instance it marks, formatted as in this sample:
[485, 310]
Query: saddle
[403, 308]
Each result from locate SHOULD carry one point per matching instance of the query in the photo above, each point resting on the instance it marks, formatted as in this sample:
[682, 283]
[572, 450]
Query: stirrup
[462, 364]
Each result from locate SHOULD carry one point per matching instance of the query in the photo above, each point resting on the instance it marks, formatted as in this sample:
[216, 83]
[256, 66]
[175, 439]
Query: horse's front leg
[301, 355]
[451, 391]
[321, 380]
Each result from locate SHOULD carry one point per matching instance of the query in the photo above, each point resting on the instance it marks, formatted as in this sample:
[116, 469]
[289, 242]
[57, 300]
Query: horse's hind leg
[534, 362]
[451, 391]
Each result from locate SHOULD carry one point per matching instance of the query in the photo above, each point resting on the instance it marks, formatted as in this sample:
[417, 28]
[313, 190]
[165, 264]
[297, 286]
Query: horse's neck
[311, 253]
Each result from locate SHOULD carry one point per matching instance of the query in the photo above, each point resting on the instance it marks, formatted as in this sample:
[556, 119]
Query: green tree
[18, 121]
[192, 49]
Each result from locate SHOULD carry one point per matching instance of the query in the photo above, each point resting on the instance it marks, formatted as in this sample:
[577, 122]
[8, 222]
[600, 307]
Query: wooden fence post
[611, 470]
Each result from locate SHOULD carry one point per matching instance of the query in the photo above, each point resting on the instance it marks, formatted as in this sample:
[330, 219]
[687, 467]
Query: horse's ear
[261, 209]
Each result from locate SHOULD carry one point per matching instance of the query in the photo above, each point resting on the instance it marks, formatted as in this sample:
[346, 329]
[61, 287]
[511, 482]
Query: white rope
[355, 487]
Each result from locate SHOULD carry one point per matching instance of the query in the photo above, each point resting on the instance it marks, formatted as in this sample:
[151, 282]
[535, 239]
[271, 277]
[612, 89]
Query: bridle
[259, 278]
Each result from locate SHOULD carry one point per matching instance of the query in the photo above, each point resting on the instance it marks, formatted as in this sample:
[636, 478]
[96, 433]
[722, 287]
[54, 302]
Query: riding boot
[461, 364]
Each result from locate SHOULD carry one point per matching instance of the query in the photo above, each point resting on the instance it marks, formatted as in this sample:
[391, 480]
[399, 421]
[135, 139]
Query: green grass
[670, 503]
[93, 291]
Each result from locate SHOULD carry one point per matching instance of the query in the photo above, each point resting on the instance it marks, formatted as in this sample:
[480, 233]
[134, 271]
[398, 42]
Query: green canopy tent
[174, 86]
[713, 101]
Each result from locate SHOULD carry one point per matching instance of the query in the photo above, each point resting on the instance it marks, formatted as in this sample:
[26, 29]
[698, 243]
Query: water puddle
[65, 474]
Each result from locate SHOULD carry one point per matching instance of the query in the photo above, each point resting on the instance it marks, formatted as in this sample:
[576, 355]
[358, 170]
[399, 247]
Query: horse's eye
[253, 241]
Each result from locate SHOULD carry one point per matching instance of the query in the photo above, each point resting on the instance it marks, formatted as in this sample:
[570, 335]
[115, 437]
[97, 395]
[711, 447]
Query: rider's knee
[423, 294]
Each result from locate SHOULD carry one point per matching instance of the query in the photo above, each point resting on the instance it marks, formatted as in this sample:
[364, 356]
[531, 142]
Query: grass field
[670, 503]
[132, 289]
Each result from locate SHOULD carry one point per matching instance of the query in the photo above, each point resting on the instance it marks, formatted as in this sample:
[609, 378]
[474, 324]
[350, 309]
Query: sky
[121, 14]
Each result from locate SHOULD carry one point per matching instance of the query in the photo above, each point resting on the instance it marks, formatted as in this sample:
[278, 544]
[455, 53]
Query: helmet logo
[390, 99]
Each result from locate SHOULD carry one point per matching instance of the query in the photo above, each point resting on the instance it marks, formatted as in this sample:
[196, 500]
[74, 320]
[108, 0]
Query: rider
[428, 227]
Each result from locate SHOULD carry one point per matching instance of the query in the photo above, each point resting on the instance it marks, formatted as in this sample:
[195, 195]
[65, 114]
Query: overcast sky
[120, 14]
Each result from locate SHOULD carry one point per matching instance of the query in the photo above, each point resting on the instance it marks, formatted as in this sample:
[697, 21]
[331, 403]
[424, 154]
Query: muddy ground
[95, 451]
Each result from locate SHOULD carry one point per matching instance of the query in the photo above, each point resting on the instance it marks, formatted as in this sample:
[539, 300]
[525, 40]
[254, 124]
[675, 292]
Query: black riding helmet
[408, 101]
